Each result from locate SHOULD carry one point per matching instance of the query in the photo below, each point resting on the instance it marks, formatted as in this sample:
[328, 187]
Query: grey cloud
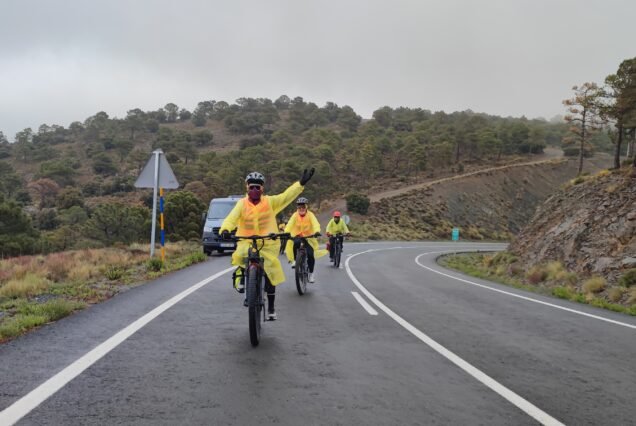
[63, 61]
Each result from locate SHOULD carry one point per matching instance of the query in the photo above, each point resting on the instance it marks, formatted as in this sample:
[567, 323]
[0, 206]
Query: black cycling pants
[311, 261]
[333, 240]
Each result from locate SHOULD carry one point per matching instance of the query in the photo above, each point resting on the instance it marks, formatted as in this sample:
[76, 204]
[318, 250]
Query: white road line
[364, 303]
[529, 408]
[30, 401]
[530, 299]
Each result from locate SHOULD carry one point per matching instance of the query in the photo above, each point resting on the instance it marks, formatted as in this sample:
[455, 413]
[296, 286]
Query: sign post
[163, 232]
[156, 174]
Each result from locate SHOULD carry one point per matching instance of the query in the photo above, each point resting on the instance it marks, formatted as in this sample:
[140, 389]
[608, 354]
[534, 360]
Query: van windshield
[220, 209]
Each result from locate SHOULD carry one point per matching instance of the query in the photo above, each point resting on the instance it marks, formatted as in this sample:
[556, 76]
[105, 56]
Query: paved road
[439, 351]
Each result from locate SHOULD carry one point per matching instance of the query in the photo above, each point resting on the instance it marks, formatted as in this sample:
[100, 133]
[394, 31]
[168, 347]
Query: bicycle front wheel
[336, 255]
[301, 274]
[254, 305]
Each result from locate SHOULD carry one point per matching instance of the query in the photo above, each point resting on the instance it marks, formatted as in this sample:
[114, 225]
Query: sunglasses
[255, 187]
[302, 206]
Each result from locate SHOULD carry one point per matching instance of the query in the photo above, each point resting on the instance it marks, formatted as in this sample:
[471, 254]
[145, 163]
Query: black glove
[317, 234]
[225, 235]
[306, 176]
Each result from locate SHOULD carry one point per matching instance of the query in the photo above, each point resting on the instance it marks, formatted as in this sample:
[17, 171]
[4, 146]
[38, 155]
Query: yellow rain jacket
[303, 226]
[333, 228]
[260, 219]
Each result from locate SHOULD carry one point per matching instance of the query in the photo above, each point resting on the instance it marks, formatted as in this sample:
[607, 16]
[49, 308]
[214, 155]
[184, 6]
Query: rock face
[492, 205]
[590, 227]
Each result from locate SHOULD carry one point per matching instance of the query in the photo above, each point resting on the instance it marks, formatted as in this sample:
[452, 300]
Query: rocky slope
[486, 205]
[589, 226]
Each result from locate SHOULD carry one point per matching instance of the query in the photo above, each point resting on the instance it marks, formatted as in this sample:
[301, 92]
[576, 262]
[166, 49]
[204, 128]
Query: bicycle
[337, 249]
[301, 267]
[254, 277]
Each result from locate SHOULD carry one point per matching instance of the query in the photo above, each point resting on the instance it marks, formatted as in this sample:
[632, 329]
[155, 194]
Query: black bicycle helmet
[302, 200]
[255, 177]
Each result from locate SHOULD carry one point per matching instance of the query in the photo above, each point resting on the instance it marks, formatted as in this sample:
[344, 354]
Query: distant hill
[60, 178]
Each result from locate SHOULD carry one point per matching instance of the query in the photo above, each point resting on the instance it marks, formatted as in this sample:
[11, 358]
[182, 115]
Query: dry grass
[611, 188]
[29, 285]
[554, 269]
[615, 294]
[537, 274]
[603, 173]
[632, 297]
[75, 279]
[594, 285]
[557, 272]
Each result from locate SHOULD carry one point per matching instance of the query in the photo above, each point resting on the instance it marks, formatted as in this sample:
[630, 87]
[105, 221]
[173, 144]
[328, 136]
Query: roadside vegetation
[550, 279]
[35, 290]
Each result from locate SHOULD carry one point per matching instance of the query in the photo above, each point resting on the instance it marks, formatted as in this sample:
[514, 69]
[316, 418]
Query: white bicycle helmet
[255, 177]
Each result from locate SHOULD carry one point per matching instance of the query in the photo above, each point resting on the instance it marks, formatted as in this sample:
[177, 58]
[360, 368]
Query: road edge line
[37, 396]
[515, 399]
[529, 299]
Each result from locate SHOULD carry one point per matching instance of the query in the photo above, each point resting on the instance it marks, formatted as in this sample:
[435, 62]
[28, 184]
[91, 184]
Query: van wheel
[207, 252]
[221, 251]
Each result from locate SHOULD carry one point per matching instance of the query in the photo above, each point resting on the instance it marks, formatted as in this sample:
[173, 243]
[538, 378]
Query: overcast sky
[63, 61]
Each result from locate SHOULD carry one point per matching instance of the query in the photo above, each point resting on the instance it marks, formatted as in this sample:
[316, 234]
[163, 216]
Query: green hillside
[64, 188]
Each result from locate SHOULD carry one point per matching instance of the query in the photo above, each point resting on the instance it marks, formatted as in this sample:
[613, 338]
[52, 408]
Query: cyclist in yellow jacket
[303, 223]
[334, 227]
[256, 215]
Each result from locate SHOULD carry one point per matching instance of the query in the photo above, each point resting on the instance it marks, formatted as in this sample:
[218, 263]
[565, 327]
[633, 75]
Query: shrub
[183, 212]
[628, 279]
[155, 264]
[567, 277]
[357, 203]
[594, 285]
[504, 258]
[113, 273]
[536, 275]
[515, 270]
[562, 292]
[615, 294]
[197, 257]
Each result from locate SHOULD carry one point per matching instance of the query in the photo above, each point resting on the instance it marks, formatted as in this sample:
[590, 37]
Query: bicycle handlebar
[316, 235]
[271, 236]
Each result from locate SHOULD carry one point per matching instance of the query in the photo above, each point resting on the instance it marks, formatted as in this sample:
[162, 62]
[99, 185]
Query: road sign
[165, 175]
[455, 234]
[156, 174]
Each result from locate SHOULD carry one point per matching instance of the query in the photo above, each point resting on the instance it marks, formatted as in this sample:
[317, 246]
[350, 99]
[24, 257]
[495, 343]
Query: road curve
[426, 349]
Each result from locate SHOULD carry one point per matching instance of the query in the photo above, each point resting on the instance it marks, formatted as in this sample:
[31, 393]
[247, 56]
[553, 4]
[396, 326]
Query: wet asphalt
[326, 360]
